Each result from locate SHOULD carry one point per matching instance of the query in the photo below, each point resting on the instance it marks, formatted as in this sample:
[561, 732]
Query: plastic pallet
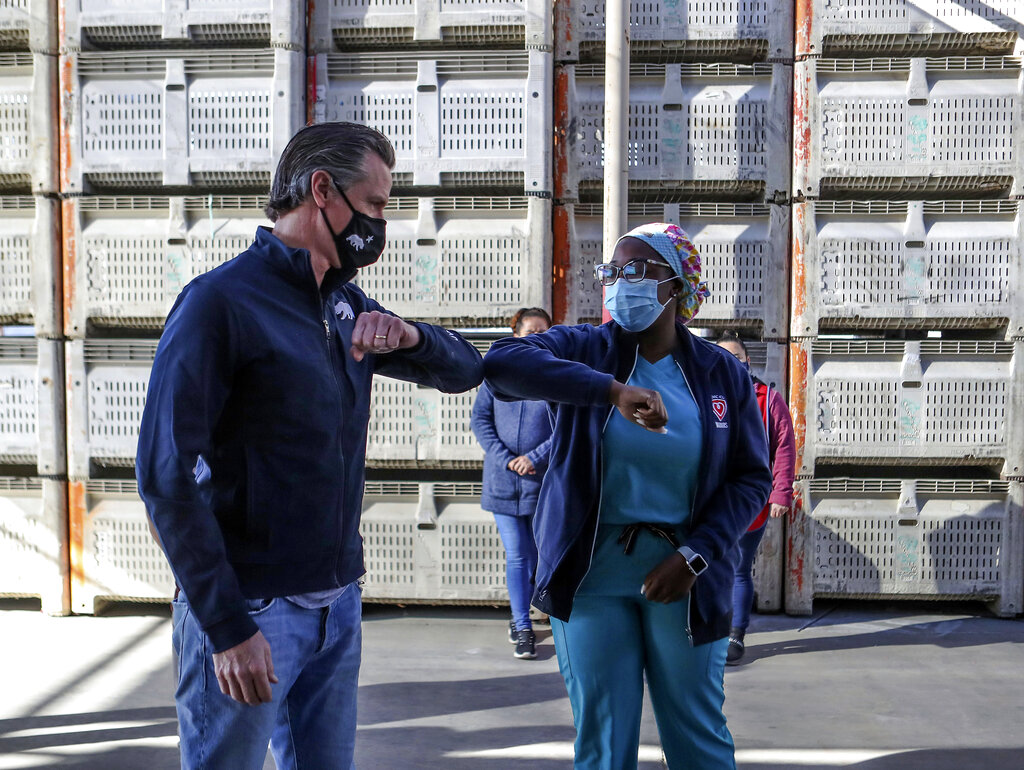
[938, 265]
[948, 127]
[29, 25]
[32, 404]
[745, 30]
[114, 555]
[930, 402]
[721, 130]
[907, 539]
[28, 149]
[871, 27]
[113, 24]
[348, 24]
[30, 270]
[463, 261]
[456, 120]
[33, 541]
[128, 258]
[744, 251]
[176, 119]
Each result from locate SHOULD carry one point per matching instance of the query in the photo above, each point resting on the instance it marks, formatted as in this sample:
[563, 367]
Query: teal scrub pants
[613, 638]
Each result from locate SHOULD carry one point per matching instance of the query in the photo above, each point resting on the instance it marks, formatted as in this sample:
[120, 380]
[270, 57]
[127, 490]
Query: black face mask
[361, 242]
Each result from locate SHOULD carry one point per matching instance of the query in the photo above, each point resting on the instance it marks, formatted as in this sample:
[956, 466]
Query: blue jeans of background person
[311, 720]
[520, 563]
[743, 584]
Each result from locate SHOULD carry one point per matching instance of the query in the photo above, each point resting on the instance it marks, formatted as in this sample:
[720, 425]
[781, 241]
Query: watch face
[698, 564]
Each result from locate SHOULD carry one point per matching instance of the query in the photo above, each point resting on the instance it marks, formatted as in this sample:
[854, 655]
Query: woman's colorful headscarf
[676, 248]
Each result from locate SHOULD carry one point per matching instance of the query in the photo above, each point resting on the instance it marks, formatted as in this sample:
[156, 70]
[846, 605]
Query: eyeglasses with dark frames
[633, 271]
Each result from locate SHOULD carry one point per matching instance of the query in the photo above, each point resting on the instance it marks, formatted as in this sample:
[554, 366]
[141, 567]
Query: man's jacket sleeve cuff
[231, 632]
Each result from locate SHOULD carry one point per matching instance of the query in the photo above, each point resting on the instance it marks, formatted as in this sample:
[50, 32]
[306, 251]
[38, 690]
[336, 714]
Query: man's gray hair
[338, 148]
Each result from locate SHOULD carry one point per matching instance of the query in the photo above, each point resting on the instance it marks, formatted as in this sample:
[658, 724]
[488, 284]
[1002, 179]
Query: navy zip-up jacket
[253, 374]
[573, 367]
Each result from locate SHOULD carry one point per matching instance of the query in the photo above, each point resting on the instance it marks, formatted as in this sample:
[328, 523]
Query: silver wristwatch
[694, 560]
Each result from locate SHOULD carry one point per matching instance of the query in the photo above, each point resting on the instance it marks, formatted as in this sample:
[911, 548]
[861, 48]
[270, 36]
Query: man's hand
[522, 466]
[377, 332]
[245, 671]
[670, 581]
[778, 510]
[639, 405]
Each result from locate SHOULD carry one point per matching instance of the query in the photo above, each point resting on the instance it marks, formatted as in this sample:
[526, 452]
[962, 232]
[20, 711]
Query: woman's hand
[778, 510]
[639, 405]
[670, 581]
[522, 466]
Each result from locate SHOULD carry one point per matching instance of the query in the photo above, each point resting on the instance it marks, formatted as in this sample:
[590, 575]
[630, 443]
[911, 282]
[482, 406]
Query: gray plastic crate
[28, 25]
[30, 263]
[173, 119]
[34, 541]
[932, 265]
[930, 402]
[907, 539]
[115, 556]
[768, 568]
[28, 127]
[32, 404]
[864, 27]
[905, 126]
[430, 543]
[109, 24]
[456, 119]
[133, 255]
[466, 261]
[348, 24]
[721, 130]
[707, 29]
[745, 258]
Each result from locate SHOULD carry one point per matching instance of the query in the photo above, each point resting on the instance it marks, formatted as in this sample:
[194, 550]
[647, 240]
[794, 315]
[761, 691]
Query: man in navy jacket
[251, 459]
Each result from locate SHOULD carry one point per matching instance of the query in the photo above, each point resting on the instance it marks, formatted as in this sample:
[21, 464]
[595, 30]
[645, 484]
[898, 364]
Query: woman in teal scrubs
[658, 465]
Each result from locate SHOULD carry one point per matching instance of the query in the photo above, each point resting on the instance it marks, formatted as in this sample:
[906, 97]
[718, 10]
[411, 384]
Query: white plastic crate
[106, 24]
[114, 555]
[132, 256]
[860, 27]
[930, 402]
[34, 541]
[459, 119]
[708, 29]
[932, 265]
[107, 383]
[430, 542]
[463, 261]
[901, 126]
[32, 404]
[744, 250]
[348, 24]
[913, 539]
[174, 119]
[28, 125]
[28, 25]
[30, 267]
[716, 129]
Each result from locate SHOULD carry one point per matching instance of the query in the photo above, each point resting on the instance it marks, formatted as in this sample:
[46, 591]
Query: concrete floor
[868, 686]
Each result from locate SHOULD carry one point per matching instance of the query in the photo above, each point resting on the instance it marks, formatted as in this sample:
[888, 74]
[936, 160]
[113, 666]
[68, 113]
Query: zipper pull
[327, 328]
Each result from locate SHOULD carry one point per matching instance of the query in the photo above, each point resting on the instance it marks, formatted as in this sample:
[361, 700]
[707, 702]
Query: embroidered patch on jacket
[720, 408]
[344, 310]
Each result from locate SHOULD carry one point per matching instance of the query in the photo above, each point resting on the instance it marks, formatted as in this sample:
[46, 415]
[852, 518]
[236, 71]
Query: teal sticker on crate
[910, 420]
[906, 560]
[917, 139]
[425, 279]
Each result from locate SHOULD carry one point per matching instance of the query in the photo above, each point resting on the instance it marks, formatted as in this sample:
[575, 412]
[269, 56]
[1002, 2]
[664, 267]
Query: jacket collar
[293, 265]
[692, 353]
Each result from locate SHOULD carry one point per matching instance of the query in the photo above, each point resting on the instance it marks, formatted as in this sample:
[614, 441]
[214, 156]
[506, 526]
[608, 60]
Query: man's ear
[320, 187]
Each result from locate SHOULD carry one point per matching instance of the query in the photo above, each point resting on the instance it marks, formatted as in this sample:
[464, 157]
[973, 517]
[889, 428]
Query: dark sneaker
[735, 653]
[512, 638]
[525, 644]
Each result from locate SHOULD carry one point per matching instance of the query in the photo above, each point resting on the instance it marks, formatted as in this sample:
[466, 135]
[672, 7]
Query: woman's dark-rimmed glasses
[633, 271]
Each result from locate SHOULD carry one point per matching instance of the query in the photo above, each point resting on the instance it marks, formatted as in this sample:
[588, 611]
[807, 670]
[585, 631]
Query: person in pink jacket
[782, 458]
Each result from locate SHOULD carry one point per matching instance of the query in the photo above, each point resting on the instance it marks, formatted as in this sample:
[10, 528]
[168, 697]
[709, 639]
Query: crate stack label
[906, 377]
[172, 117]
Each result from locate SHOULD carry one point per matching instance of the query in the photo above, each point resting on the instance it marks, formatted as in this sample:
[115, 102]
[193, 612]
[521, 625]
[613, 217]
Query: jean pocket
[259, 606]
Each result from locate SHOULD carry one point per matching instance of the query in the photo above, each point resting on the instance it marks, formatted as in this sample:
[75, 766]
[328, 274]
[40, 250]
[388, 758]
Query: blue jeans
[743, 583]
[520, 563]
[311, 721]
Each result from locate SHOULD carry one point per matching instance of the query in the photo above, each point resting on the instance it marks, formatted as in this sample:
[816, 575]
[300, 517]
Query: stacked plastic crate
[907, 384]
[33, 487]
[709, 138]
[463, 90]
[172, 115]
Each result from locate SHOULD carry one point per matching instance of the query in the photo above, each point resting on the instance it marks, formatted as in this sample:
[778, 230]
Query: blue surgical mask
[634, 306]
